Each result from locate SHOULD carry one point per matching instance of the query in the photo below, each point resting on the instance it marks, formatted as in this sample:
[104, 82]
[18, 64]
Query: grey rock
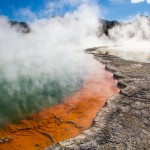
[124, 122]
[5, 140]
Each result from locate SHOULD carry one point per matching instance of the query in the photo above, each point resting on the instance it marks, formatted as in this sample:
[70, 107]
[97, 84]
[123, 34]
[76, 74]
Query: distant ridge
[106, 25]
[22, 26]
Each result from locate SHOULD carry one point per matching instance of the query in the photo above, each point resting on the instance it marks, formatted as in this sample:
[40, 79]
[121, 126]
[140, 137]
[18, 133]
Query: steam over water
[130, 39]
[28, 93]
[41, 68]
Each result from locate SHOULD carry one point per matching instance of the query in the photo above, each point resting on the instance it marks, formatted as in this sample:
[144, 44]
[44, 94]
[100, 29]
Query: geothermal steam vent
[51, 90]
[33, 80]
[44, 64]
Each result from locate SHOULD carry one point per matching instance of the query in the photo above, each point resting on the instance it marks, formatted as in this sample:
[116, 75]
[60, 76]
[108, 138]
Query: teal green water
[26, 94]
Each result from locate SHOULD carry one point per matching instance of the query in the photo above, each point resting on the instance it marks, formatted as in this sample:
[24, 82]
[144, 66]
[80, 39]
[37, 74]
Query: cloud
[25, 14]
[117, 2]
[59, 7]
[53, 8]
[137, 1]
[148, 1]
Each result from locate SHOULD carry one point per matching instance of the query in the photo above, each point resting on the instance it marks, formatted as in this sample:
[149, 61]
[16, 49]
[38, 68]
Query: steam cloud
[42, 67]
[130, 39]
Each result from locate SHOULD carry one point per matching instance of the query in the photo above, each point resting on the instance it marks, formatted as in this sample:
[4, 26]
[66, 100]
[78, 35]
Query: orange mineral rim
[68, 119]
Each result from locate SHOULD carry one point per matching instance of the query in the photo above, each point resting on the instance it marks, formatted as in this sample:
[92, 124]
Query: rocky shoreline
[124, 122]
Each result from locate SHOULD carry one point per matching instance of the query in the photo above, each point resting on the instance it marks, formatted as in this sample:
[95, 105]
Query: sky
[27, 10]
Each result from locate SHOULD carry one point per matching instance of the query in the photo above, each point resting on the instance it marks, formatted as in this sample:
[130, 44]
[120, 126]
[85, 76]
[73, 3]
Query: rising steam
[130, 39]
[42, 67]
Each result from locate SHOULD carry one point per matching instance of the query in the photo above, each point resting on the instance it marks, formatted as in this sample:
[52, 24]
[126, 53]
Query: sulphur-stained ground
[124, 122]
[65, 120]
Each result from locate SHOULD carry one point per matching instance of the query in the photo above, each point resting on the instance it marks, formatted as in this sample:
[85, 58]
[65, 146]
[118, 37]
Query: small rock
[5, 140]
